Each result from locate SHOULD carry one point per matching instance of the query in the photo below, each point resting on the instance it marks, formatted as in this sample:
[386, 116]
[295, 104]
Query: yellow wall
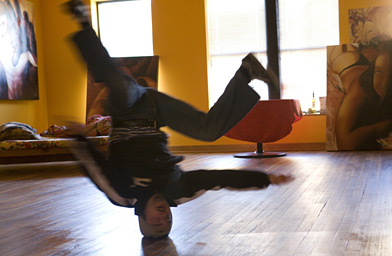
[65, 73]
[180, 42]
[179, 31]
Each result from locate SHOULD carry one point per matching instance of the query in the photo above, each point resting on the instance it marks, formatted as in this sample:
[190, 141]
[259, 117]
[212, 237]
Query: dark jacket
[126, 186]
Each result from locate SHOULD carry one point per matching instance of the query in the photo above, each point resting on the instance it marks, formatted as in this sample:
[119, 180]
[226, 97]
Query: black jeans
[128, 100]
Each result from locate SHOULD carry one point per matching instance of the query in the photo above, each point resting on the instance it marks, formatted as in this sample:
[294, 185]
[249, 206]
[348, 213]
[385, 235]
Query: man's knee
[210, 136]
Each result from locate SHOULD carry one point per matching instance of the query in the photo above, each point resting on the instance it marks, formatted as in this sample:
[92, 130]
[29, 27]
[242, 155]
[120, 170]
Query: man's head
[156, 220]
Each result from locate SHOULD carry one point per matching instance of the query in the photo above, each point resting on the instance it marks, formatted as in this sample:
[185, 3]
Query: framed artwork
[359, 96]
[18, 51]
[369, 24]
[143, 69]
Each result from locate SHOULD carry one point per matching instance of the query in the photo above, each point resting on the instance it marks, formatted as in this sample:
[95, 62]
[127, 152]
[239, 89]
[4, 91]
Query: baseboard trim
[249, 147]
[315, 146]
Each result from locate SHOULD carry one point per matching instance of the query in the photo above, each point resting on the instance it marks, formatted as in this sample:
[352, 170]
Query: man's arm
[192, 184]
[118, 186]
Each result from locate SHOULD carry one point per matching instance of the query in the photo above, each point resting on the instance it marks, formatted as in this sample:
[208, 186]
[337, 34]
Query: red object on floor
[268, 121]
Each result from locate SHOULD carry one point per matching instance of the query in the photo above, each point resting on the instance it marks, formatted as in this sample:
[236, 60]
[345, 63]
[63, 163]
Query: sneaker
[78, 9]
[255, 69]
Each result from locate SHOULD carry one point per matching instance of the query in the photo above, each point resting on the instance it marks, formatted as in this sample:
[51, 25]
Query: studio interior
[305, 170]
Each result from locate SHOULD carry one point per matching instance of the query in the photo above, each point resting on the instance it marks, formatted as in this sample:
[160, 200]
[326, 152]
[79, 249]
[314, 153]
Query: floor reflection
[158, 247]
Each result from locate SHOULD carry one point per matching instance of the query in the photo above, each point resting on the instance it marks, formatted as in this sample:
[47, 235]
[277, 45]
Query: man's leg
[236, 101]
[124, 91]
[231, 179]
[191, 184]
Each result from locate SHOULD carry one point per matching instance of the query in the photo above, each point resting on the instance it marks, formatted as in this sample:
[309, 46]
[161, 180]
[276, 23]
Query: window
[125, 27]
[305, 27]
[234, 29]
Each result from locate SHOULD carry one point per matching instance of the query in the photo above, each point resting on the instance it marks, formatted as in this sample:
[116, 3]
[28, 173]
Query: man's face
[157, 211]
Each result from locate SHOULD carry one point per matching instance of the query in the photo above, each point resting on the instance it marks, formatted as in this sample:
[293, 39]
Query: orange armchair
[268, 121]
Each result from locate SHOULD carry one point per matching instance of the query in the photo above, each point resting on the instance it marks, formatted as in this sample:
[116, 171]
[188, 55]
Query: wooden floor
[339, 204]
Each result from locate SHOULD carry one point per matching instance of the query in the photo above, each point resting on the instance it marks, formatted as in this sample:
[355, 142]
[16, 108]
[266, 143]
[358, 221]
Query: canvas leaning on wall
[143, 69]
[18, 51]
[370, 24]
[359, 96]
[359, 83]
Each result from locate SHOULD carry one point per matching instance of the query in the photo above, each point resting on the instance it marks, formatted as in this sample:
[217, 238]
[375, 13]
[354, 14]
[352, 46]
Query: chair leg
[259, 153]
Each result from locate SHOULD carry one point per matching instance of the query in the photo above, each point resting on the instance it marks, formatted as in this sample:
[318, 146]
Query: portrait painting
[143, 69]
[359, 96]
[18, 51]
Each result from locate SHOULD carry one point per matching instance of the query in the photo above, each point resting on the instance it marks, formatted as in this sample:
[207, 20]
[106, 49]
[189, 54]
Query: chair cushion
[268, 121]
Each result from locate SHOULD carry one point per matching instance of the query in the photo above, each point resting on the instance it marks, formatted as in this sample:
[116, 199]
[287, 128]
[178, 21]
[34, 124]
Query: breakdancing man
[140, 172]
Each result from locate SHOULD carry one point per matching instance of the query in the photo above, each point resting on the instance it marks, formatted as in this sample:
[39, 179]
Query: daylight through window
[306, 27]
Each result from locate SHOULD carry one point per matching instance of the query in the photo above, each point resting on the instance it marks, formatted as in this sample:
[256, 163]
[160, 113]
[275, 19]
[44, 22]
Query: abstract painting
[18, 51]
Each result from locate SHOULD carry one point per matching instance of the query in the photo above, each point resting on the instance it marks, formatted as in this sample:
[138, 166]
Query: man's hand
[141, 182]
[280, 179]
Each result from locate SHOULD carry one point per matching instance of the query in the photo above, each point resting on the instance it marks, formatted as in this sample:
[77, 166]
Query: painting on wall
[369, 24]
[18, 51]
[143, 69]
[359, 96]
[359, 83]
